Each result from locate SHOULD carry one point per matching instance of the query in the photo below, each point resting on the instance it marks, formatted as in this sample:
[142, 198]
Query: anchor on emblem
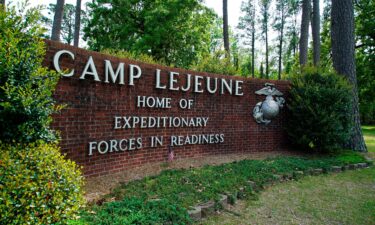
[265, 111]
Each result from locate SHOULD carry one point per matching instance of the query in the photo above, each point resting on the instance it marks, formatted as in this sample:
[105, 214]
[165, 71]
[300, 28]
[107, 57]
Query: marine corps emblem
[265, 111]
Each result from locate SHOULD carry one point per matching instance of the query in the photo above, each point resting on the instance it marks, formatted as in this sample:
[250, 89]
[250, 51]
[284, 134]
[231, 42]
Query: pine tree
[304, 40]
[77, 25]
[281, 7]
[343, 53]
[264, 8]
[315, 25]
[57, 20]
[225, 28]
[247, 24]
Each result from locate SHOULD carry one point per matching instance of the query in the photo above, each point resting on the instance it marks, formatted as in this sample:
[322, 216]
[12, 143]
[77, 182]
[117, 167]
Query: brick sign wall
[121, 113]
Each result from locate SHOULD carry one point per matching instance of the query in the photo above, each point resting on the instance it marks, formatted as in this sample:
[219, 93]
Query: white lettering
[56, 64]
[110, 73]
[90, 65]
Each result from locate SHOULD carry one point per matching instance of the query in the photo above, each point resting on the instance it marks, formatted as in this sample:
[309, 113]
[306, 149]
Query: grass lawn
[165, 198]
[346, 198]
[369, 134]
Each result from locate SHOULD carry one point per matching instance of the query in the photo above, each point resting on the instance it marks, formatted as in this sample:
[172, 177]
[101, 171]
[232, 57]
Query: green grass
[369, 135]
[345, 198]
[188, 187]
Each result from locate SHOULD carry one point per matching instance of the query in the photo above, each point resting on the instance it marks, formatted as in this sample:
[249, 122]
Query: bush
[138, 211]
[37, 185]
[133, 56]
[319, 110]
[216, 64]
[26, 87]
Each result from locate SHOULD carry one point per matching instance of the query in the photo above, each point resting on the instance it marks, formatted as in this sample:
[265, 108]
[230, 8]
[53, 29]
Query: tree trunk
[57, 20]
[77, 25]
[304, 40]
[267, 69]
[316, 32]
[253, 52]
[343, 57]
[225, 28]
[281, 40]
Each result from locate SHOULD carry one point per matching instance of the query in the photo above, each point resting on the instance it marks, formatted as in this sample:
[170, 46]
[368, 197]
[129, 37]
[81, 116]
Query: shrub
[37, 185]
[216, 64]
[137, 211]
[320, 110]
[26, 87]
[133, 56]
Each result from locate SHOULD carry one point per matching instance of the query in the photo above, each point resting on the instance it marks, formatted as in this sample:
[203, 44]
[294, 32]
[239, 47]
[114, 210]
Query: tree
[292, 34]
[264, 9]
[2, 2]
[247, 24]
[67, 24]
[343, 53]
[261, 70]
[326, 50]
[365, 59]
[304, 40]
[57, 20]
[225, 28]
[281, 7]
[316, 32]
[176, 32]
[77, 23]
[216, 36]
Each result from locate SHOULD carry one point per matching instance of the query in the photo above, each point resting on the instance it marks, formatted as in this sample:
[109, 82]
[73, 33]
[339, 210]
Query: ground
[345, 198]
[369, 134]
[97, 187]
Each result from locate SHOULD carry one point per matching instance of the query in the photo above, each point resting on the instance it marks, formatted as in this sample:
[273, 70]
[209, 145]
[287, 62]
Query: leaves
[26, 87]
[320, 110]
[176, 32]
[39, 185]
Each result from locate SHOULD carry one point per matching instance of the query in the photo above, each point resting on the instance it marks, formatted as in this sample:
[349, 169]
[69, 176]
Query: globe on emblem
[270, 108]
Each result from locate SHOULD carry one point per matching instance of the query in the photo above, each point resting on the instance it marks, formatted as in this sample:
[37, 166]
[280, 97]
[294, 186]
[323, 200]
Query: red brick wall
[91, 107]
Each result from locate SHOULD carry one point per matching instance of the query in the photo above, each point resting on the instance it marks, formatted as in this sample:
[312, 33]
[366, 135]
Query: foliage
[319, 110]
[247, 25]
[216, 63]
[26, 87]
[188, 187]
[133, 56]
[37, 185]
[68, 21]
[176, 32]
[132, 210]
[292, 34]
[365, 59]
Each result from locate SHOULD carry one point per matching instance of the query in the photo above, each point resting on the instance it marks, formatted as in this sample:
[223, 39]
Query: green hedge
[320, 110]
[38, 185]
[26, 88]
